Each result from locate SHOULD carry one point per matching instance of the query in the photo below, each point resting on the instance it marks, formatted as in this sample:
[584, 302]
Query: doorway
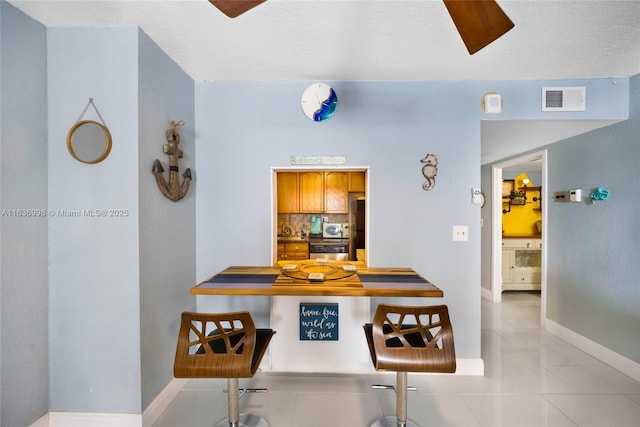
[306, 198]
[532, 161]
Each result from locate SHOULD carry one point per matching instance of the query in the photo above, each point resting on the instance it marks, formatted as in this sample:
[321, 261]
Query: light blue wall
[24, 370]
[250, 128]
[592, 286]
[113, 296]
[94, 271]
[592, 281]
[246, 129]
[606, 99]
[167, 229]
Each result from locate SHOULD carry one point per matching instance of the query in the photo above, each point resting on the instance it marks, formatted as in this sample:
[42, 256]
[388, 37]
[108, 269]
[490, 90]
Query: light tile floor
[531, 379]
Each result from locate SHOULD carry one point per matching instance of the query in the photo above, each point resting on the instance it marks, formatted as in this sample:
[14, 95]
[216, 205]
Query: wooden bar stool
[409, 339]
[222, 345]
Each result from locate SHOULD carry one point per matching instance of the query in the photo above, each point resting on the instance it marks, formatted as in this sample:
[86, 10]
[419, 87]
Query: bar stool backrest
[217, 345]
[413, 339]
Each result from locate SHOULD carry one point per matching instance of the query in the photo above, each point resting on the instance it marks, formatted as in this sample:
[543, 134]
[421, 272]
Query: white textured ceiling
[398, 40]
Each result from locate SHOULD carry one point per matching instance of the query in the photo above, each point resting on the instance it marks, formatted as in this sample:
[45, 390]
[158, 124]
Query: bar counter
[273, 281]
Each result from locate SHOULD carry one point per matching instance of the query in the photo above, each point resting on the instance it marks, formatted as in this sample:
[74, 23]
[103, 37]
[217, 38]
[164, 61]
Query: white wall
[94, 261]
[24, 370]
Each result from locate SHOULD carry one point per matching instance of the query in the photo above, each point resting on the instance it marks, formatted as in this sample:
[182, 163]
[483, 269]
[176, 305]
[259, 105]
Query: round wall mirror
[89, 141]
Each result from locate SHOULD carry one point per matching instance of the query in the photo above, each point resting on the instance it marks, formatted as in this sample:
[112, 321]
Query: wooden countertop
[380, 282]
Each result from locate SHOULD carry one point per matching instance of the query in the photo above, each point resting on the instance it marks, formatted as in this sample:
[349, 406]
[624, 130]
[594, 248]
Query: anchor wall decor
[173, 189]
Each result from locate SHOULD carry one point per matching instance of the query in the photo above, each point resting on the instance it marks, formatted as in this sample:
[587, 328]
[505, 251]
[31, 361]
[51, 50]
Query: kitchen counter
[270, 280]
[293, 240]
[288, 296]
[329, 241]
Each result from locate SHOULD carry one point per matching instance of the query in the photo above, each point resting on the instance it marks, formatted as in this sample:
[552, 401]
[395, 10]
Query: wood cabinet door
[356, 182]
[311, 192]
[336, 192]
[288, 192]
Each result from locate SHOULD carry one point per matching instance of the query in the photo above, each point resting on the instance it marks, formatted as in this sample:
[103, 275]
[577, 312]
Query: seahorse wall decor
[172, 190]
[429, 170]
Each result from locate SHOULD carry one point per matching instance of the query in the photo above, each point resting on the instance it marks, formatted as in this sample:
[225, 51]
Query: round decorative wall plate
[319, 102]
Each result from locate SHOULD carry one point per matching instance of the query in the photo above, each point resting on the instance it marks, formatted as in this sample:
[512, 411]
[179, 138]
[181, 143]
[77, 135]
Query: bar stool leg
[401, 398]
[400, 420]
[234, 401]
[236, 419]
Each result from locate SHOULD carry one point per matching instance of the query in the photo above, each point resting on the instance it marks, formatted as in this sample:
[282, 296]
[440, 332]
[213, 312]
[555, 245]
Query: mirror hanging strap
[86, 107]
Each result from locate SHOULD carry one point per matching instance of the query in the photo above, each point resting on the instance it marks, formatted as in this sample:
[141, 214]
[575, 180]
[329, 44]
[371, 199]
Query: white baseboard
[155, 409]
[486, 294]
[611, 358]
[42, 421]
[107, 419]
[84, 419]
[473, 367]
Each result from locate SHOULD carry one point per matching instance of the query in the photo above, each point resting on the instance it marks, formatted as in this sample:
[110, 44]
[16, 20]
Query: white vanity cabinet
[521, 262]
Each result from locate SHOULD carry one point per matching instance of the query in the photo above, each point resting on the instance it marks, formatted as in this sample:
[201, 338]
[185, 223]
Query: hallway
[531, 379]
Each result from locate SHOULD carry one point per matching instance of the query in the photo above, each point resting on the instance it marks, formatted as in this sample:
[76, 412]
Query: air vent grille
[553, 99]
[564, 98]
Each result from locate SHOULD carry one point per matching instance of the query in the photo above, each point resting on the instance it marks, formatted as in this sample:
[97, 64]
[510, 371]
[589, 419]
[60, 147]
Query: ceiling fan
[479, 22]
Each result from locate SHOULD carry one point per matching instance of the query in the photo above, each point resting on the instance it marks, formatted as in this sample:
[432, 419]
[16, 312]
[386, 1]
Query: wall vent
[564, 98]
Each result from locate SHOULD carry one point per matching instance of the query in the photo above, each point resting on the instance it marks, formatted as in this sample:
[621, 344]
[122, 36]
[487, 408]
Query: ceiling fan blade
[479, 22]
[233, 8]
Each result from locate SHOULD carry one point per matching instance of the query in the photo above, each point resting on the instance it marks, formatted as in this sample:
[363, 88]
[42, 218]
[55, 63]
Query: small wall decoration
[319, 102]
[318, 322]
[599, 194]
[89, 141]
[429, 170]
[173, 189]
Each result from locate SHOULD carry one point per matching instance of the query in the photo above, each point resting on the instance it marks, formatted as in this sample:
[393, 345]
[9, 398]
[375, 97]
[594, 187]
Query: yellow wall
[522, 218]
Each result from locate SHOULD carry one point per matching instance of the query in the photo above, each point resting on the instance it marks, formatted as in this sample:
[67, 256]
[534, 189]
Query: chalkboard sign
[318, 322]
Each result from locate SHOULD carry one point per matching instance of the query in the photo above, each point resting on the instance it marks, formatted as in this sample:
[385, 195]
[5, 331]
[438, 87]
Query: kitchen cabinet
[336, 192]
[357, 182]
[288, 192]
[312, 192]
[293, 250]
[521, 264]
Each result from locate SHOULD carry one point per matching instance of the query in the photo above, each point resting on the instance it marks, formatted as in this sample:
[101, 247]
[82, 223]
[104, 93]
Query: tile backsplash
[299, 222]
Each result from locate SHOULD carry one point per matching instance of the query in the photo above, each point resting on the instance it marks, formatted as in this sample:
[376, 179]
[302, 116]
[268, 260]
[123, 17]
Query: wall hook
[173, 189]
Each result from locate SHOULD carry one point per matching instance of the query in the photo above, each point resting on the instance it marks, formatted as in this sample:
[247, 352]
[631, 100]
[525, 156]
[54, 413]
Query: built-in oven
[331, 249]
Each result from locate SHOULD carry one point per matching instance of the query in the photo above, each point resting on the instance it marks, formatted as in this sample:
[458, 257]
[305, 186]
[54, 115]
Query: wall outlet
[460, 233]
